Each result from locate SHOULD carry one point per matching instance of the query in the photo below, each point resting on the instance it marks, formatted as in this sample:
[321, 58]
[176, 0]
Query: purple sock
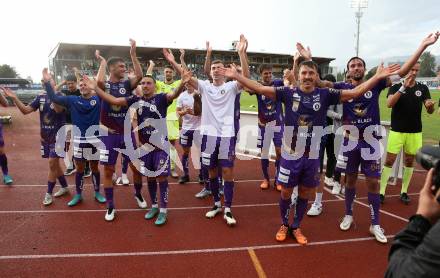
[349, 198]
[63, 181]
[163, 186]
[284, 211]
[374, 201]
[301, 207]
[137, 188]
[109, 197]
[229, 193]
[4, 163]
[152, 190]
[79, 182]
[124, 165]
[265, 168]
[213, 183]
[96, 179]
[185, 164]
[220, 175]
[50, 186]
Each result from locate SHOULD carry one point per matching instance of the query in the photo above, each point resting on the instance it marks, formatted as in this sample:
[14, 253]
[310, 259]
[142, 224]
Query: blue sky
[389, 28]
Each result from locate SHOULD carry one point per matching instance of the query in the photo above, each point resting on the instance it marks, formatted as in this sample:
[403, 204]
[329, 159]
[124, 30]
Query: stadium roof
[149, 51]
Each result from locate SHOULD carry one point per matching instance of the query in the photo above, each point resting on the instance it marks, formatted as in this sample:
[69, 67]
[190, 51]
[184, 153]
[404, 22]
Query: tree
[371, 72]
[427, 65]
[6, 71]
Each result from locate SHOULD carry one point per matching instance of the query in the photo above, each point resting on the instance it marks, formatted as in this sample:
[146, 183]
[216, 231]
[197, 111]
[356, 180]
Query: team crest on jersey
[93, 102]
[222, 92]
[153, 108]
[122, 91]
[418, 93]
[368, 94]
[316, 106]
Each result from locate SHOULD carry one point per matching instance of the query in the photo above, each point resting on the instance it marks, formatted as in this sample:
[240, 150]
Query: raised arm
[182, 59]
[242, 54]
[170, 58]
[150, 68]
[49, 85]
[100, 77]
[186, 77]
[254, 86]
[134, 81]
[93, 85]
[207, 65]
[426, 42]
[60, 85]
[25, 109]
[381, 73]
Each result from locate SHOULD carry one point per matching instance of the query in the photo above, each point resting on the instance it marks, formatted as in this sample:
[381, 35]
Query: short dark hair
[217, 62]
[71, 78]
[354, 58]
[169, 67]
[113, 60]
[330, 77]
[150, 76]
[309, 64]
[264, 67]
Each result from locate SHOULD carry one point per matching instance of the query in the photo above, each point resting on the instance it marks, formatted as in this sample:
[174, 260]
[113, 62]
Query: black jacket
[415, 251]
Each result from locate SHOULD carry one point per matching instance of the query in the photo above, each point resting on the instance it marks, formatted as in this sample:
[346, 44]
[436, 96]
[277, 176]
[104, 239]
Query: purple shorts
[303, 171]
[156, 163]
[112, 142]
[349, 161]
[218, 151]
[2, 141]
[188, 136]
[48, 150]
[267, 134]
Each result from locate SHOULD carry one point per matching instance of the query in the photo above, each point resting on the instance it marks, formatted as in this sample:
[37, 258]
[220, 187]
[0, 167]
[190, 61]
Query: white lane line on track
[366, 205]
[171, 208]
[186, 252]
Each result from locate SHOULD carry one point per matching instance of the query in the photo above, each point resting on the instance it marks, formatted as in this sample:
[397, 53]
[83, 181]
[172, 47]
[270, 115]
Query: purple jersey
[268, 109]
[50, 121]
[113, 116]
[363, 111]
[151, 118]
[305, 111]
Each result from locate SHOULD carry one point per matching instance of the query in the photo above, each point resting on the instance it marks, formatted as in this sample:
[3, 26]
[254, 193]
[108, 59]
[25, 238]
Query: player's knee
[409, 161]
[286, 193]
[94, 166]
[389, 161]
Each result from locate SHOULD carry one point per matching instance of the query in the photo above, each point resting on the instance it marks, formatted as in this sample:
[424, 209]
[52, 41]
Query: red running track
[58, 241]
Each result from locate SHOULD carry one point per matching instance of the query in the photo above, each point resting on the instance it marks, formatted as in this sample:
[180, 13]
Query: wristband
[402, 89]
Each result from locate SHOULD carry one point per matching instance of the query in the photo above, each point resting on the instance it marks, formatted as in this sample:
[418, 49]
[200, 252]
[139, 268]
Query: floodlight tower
[358, 5]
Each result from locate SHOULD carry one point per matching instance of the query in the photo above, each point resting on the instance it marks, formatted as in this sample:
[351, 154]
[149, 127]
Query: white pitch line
[185, 252]
[176, 208]
[384, 212]
[171, 183]
[381, 210]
